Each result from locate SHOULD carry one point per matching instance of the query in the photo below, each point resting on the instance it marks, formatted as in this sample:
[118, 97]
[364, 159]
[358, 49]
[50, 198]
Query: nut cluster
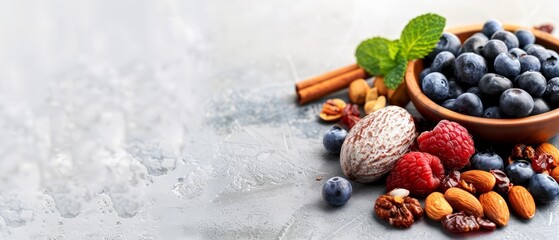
[398, 211]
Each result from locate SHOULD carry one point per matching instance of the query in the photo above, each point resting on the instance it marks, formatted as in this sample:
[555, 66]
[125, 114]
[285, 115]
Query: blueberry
[424, 73]
[552, 91]
[336, 191]
[529, 63]
[493, 85]
[491, 26]
[553, 53]
[540, 106]
[532, 82]
[435, 86]
[454, 90]
[507, 37]
[447, 42]
[474, 44]
[507, 65]
[492, 112]
[469, 104]
[524, 37]
[486, 161]
[475, 90]
[333, 139]
[543, 188]
[550, 68]
[515, 102]
[519, 172]
[443, 62]
[469, 68]
[517, 52]
[449, 104]
[493, 48]
[528, 46]
[540, 52]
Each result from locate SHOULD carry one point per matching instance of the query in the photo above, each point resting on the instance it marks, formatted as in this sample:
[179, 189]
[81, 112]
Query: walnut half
[400, 212]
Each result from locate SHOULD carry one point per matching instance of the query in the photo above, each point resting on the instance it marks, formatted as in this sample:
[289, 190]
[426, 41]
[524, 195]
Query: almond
[379, 84]
[555, 174]
[495, 208]
[551, 150]
[522, 202]
[481, 180]
[436, 206]
[461, 200]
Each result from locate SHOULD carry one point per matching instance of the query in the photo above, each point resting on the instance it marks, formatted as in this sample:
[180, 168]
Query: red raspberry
[421, 173]
[450, 142]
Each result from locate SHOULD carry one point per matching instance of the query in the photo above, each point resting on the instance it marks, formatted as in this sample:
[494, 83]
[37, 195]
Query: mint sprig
[380, 56]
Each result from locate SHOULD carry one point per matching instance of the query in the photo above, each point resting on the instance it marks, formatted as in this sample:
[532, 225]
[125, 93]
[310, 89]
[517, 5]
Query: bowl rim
[412, 85]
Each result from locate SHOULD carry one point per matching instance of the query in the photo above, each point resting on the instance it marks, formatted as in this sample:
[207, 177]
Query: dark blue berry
[543, 188]
[493, 85]
[552, 91]
[474, 44]
[507, 37]
[491, 26]
[435, 86]
[424, 73]
[469, 104]
[507, 65]
[517, 52]
[443, 62]
[486, 161]
[454, 90]
[449, 104]
[540, 106]
[553, 53]
[550, 68]
[540, 52]
[493, 48]
[524, 37]
[532, 82]
[447, 42]
[336, 191]
[469, 68]
[492, 112]
[529, 63]
[333, 139]
[519, 172]
[515, 103]
[475, 90]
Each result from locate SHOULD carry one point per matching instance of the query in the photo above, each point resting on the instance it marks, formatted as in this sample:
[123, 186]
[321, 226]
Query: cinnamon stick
[330, 85]
[318, 79]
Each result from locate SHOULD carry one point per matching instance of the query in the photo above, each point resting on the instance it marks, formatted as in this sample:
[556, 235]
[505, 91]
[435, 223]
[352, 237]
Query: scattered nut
[372, 94]
[522, 202]
[482, 181]
[379, 84]
[551, 150]
[399, 192]
[332, 110]
[375, 105]
[358, 91]
[461, 223]
[463, 201]
[436, 206]
[399, 212]
[555, 174]
[495, 208]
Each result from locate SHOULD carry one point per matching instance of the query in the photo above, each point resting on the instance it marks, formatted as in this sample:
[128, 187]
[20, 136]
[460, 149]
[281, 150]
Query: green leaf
[421, 35]
[396, 75]
[377, 55]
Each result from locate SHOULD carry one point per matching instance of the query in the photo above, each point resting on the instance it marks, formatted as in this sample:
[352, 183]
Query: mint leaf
[420, 36]
[377, 55]
[396, 75]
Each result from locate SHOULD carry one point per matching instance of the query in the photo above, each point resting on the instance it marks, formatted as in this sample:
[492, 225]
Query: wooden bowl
[529, 130]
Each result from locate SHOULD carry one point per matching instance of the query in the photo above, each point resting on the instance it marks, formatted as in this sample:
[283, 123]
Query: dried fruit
[375, 105]
[461, 223]
[399, 212]
[450, 180]
[375, 144]
[418, 171]
[463, 201]
[541, 162]
[502, 183]
[522, 202]
[547, 27]
[495, 208]
[332, 110]
[482, 181]
[436, 206]
[449, 141]
[358, 91]
[351, 115]
[551, 150]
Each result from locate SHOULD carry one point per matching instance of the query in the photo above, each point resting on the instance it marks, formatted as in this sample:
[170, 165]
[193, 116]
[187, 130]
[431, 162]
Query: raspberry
[449, 141]
[421, 173]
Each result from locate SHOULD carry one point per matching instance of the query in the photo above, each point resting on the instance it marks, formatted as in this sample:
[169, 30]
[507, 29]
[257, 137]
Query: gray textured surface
[177, 119]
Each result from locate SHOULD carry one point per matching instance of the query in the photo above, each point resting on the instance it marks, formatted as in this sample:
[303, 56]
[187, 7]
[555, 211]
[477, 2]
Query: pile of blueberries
[494, 74]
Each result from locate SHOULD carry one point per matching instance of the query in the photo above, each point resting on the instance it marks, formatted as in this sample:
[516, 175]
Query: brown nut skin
[461, 200]
[522, 202]
[482, 181]
[332, 110]
[555, 174]
[358, 91]
[436, 206]
[495, 208]
[397, 211]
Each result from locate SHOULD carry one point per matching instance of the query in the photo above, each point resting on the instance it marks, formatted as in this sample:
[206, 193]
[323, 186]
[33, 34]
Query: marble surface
[177, 119]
